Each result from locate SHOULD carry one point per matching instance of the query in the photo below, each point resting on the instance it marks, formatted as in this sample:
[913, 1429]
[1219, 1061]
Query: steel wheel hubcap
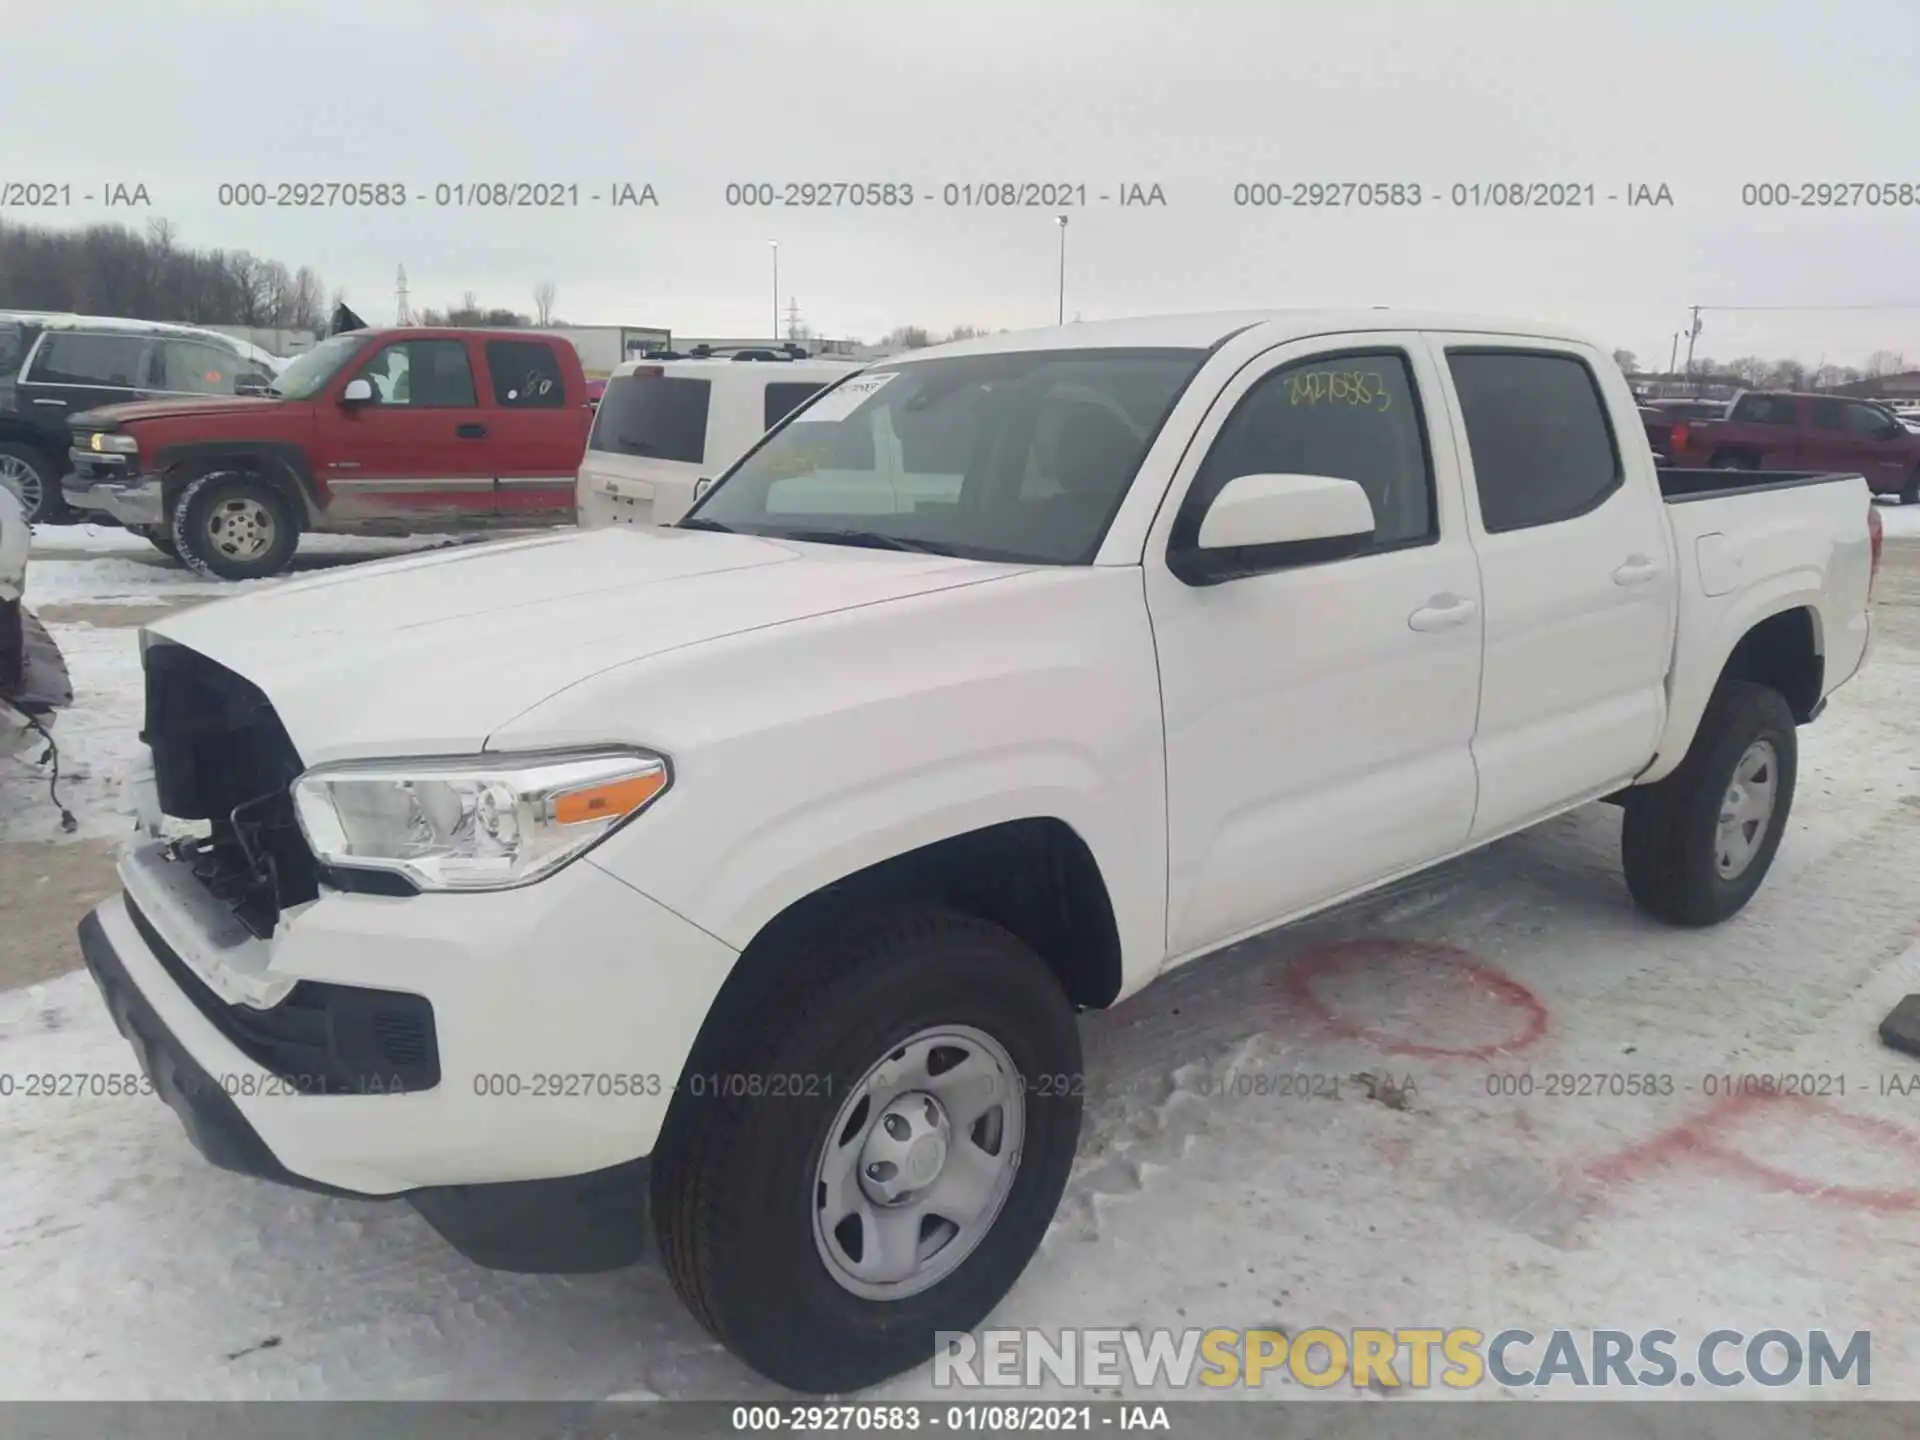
[918, 1162]
[241, 528]
[1746, 809]
[24, 481]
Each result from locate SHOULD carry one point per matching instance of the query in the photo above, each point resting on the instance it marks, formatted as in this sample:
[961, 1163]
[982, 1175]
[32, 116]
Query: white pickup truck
[739, 881]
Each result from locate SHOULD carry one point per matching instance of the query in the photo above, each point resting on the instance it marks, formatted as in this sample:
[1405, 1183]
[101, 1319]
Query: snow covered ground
[1203, 1196]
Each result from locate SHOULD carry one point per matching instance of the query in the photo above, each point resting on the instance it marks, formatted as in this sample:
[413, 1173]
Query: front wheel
[1696, 845]
[34, 480]
[231, 525]
[870, 1149]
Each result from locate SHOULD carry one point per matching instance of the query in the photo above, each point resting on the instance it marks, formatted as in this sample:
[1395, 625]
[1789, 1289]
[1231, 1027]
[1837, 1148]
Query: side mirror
[1261, 523]
[358, 392]
[254, 384]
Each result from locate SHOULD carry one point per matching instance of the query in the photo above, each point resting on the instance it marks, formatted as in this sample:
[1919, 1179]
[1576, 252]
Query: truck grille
[220, 754]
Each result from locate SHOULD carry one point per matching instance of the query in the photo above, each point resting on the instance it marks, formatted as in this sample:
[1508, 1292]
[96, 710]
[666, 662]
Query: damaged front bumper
[96, 485]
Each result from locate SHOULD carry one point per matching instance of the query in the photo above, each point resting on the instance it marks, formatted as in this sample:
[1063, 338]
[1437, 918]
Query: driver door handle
[1443, 612]
[42, 400]
[1636, 570]
[471, 432]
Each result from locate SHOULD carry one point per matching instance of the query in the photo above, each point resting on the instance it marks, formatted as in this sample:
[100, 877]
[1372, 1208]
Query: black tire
[205, 523]
[733, 1181]
[161, 539]
[1668, 837]
[38, 490]
[1730, 460]
[1910, 492]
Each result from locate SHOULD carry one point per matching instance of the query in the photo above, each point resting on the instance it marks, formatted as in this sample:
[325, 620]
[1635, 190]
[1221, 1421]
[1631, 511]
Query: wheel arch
[282, 465]
[1783, 648]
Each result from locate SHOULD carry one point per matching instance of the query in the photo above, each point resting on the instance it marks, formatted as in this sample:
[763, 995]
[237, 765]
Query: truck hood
[430, 654]
[108, 416]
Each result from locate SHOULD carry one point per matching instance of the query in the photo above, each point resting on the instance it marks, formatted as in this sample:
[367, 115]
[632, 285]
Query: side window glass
[102, 361]
[188, 368]
[1537, 430]
[1352, 417]
[423, 374]
[784, 397]
[1824, 414]
[526, 375]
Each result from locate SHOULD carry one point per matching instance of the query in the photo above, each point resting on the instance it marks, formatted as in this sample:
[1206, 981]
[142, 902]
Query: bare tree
[1627, 361]
[543, 297]
[1885, 362]
[907, 337]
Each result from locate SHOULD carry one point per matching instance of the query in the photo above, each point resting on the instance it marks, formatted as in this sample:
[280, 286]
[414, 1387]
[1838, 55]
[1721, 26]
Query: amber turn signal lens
[603, 802]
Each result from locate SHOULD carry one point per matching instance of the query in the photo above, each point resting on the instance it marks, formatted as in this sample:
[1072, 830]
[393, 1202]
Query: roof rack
[780, 353]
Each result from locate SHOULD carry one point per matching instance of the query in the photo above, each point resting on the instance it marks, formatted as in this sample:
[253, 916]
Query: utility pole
[402, 315]
[1061, 317]
[1673, 353]
[776, 287]
[1693, 333]
[793, 319]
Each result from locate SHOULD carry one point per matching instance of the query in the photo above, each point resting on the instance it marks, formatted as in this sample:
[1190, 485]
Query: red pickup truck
[371, 432]
[1777, 430]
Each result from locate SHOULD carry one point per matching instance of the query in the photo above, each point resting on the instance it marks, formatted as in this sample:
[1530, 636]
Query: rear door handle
[38, 400]
[471, 432]
[1637, 570]
[1443, 612]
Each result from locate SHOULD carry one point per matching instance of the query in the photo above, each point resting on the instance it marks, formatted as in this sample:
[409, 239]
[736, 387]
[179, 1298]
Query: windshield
[1021, 455]
[308, 375]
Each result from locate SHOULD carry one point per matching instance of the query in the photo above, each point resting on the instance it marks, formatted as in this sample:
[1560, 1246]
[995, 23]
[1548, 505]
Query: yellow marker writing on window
[1340, 387]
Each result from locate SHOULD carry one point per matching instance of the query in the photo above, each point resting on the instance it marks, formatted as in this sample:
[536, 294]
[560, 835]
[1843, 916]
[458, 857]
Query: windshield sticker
[1340, 387]
[843, 400]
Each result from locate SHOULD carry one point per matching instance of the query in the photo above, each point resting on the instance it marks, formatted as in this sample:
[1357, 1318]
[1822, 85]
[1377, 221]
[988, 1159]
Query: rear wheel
[34, 480]
[234, 525]
[869, 1150]
[1696, 845]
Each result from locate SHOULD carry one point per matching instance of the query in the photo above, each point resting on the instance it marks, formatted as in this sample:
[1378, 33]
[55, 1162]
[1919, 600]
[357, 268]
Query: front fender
[805, 753]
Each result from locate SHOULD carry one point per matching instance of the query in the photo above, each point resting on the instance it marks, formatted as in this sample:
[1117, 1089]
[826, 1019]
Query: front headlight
[111, 442]
[485, 822]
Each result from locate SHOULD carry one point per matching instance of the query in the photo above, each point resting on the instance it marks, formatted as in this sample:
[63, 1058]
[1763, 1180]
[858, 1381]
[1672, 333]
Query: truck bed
[1804, 547]
[1680, 483]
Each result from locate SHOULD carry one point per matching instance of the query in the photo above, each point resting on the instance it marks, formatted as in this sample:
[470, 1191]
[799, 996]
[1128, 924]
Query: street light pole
[1693, 333]
[1062, 316]
[776, 287]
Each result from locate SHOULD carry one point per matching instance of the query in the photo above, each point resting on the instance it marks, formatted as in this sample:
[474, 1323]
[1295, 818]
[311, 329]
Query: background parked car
[665, 425]
[372, 432]
[56, 366]
[1781, 430]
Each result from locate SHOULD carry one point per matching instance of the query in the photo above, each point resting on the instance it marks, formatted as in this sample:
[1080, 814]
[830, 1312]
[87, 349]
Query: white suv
[663, 426]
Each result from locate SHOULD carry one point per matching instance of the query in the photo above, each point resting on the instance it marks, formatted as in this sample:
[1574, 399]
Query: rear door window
[526, 375]
[101, 361]
[653, 417]
[1537, 429]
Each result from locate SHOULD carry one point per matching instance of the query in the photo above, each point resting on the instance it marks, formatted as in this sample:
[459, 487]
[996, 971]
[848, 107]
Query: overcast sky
[1701, 96]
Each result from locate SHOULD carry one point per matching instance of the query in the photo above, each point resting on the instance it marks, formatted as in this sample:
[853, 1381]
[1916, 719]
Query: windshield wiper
[870, 539]
[696, 523]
